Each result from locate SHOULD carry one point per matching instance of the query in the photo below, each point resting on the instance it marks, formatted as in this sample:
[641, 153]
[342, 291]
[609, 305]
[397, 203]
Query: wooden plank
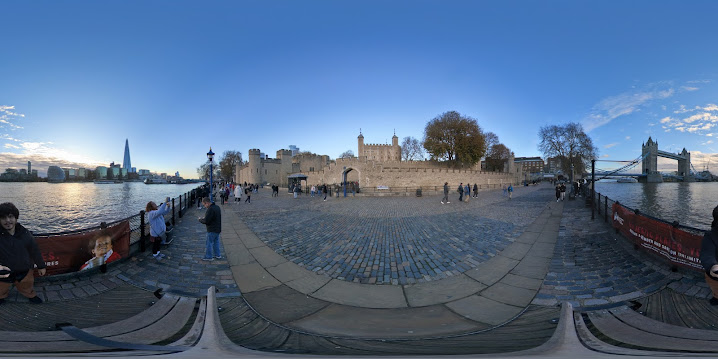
[653, 307]
[619, 331]
[82, 312]
[163, 328]
[193, 335]
[593, 343]
[58, 341]
[144, 319]
[649, 325]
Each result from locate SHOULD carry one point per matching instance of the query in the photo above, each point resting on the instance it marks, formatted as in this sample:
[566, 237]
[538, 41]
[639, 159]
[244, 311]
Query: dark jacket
[709, 250]
[213, 219]
[19, 252]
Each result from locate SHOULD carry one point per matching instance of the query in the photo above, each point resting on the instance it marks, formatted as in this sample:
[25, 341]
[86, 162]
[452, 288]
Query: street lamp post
[210, 155]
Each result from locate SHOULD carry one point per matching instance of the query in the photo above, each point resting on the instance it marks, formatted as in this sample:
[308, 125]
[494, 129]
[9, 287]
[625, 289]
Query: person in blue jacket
[156, 218]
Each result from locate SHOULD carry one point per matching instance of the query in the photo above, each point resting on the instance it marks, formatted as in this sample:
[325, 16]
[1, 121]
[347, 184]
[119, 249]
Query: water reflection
[58, 207]
[688, 203]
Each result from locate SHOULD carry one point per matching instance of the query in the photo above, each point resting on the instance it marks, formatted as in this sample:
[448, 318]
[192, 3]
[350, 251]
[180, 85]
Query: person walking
[709, 257]
[296, 190]
[446, 193]
[213, 221]
[461, 192]
[314, 189]
[563, 191]
[156, 219]
[238, 194]
[467, 190]
[558, 193]
[19, 254]
[510, 190]
[476, 190]
[324, 191]
[248, 192]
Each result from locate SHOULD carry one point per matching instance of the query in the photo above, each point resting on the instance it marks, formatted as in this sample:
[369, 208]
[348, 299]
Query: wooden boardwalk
[244, 327]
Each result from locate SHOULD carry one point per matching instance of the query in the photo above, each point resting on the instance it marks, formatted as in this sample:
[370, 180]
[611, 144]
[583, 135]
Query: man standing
[19, 253]
[461, 192]
[446, 193]
[213, 220]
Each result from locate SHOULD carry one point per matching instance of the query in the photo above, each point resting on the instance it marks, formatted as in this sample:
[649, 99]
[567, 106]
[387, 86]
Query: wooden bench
[624, 325]
[156, 324]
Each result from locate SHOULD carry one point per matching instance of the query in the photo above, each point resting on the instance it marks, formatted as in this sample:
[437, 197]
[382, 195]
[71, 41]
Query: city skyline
[238, 75]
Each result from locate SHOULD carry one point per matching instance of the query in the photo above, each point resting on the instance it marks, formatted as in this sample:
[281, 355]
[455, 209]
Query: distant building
[177, 174]
[553, 165]
[530, 164]
[29, 167]
[126, 161]
[144, 172]
[23, 172]
[55, 174]
[82, 173]
[101, 172]
[294, 150]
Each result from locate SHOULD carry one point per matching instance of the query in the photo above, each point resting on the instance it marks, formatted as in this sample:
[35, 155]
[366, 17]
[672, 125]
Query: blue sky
[77, 78]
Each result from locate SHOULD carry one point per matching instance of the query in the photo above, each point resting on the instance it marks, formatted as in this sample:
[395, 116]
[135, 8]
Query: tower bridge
[650, 154]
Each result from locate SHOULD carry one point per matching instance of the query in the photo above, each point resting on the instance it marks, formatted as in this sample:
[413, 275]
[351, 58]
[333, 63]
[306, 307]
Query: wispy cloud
[8, 117]
[610, 145]
[689, 88]
[41, 154]
[628, 138]
[624, 104]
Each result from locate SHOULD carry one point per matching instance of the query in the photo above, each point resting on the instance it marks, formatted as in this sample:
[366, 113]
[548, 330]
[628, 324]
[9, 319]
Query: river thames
[689, 203]
[59, 207]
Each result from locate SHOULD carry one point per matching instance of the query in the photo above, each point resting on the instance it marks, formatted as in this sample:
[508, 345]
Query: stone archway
[350, 180]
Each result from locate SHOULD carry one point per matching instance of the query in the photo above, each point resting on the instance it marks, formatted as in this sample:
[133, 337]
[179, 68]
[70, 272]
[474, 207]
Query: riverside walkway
[378, 269]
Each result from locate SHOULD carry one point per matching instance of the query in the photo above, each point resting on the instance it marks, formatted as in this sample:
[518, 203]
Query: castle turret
[396, 150]
[255, 162]
[360, 149]
[285, 158]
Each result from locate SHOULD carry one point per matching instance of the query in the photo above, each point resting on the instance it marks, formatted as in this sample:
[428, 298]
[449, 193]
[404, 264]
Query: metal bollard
[180, 206]
[173, 211]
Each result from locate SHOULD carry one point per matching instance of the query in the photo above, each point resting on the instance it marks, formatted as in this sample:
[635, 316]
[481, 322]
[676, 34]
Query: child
[101, 250]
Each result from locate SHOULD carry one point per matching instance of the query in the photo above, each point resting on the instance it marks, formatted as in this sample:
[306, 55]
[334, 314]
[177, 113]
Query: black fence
[139, 228]
[603, 207]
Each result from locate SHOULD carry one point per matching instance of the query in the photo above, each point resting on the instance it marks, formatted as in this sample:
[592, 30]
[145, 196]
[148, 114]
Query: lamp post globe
[210, 155]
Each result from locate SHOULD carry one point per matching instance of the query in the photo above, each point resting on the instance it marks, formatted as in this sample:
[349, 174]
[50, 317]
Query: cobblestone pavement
[594, 266]
[391, 240]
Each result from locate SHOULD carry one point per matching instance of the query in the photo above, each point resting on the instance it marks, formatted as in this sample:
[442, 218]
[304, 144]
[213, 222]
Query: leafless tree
[569, 143]
[347, 154]
[411, 149]
[497, 156]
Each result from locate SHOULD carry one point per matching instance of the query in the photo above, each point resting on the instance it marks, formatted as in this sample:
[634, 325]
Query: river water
[59, 207]
[689, 203]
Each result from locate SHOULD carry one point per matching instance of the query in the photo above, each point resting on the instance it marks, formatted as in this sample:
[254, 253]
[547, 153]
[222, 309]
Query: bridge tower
[684, 166]
[649, 152]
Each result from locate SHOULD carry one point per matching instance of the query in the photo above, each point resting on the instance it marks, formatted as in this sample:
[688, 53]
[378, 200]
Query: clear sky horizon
[176, 77]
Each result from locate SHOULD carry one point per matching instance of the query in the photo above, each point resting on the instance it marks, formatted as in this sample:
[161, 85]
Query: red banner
[678, 246]
[74, 252]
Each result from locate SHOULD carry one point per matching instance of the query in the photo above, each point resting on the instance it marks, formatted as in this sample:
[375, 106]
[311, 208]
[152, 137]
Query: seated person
[101, 250]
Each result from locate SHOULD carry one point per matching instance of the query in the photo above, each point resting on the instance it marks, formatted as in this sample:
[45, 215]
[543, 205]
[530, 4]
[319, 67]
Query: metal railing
[603, 205]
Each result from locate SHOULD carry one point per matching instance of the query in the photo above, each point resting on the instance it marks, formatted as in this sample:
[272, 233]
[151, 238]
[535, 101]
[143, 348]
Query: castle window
[311, 169]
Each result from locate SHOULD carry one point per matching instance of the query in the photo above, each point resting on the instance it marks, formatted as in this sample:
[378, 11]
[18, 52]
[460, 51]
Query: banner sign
[75, 252]
[676, 245]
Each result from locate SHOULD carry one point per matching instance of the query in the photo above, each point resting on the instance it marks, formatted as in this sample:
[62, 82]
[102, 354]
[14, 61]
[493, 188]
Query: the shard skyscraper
[126, 162]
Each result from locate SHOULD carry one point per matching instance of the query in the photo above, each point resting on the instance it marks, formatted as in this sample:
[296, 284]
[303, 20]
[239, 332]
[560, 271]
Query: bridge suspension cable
[630, 165]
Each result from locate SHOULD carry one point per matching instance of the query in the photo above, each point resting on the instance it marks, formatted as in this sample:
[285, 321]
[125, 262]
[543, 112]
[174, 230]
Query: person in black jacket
[709, 257]
[213, 220]
[19, 253]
